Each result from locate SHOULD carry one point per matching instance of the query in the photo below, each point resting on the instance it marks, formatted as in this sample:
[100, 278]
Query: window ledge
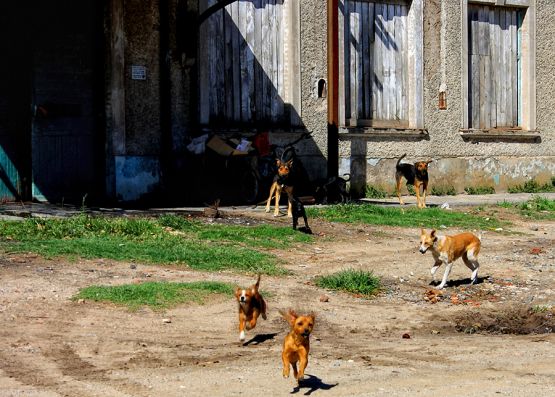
[384, 132]
[516, 135]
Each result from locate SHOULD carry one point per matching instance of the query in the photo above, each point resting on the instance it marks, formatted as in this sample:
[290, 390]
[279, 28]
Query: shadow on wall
[243, 91]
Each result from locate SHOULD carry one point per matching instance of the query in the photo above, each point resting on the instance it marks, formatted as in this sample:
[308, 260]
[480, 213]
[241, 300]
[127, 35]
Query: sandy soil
[468, 343]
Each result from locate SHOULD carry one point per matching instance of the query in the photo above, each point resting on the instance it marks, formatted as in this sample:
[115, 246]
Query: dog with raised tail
[251, 306]
[447, 249]
[296, 344]
[417, 175]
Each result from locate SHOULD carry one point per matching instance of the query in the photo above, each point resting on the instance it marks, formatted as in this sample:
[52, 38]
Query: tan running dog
[251, 305]
[447, 249]
[296, 344]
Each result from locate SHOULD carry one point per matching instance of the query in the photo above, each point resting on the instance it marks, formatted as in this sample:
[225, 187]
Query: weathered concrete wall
[458, 163]
[142, 97]
[313, 68]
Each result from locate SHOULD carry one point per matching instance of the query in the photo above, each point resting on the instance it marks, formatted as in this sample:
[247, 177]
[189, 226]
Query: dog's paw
[242, 336]
[264, 316]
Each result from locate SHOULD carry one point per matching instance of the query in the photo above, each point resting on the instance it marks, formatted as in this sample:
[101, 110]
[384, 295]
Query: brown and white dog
[447, 249]
[251, 305]
[281, 180]
[417, 175]
[296, 344]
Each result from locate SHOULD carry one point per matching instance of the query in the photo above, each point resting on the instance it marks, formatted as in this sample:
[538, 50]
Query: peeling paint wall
[137, 176]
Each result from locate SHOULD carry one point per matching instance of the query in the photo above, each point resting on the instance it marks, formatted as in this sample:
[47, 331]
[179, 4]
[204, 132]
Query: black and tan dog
[281, 180]
[417, 175]
[297, 210]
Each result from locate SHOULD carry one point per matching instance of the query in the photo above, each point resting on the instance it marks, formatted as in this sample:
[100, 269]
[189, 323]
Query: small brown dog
[417, 175]
[447, 249]
[296, 345]
[280, 181]
[251, 305]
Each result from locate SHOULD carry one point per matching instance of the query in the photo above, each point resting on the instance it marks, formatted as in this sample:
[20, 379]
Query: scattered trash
[445, 206]
[198, 144]
[432, 295]
[166, 320]
[536, 251]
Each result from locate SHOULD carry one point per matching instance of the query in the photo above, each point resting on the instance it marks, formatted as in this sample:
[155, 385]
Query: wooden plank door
[494, 67]
[66, 129]
[376, 63]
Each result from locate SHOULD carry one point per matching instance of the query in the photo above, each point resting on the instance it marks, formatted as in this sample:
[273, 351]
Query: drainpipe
[333, 82]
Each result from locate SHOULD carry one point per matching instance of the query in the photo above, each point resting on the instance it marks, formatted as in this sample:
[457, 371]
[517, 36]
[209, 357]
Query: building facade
[101, 100]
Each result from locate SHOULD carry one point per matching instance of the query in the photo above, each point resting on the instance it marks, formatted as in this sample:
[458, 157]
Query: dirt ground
[479, 340]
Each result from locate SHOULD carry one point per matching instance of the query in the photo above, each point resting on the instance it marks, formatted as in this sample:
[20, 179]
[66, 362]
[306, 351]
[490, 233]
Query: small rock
[166, 320]
[499, 229]
[324, 298]
[81, 301]
[132, 266]
[406, 335]
[445, 206]
[435, 332]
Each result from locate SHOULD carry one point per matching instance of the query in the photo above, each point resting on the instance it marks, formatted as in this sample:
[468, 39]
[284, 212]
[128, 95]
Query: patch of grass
[375, 192]
[351, 280]
[166, 240]
[541, 308]
[532, 186]
[446, 190]
[410, 217]
[479, 190]
[157, 295]
[506, 204]
[538, 207]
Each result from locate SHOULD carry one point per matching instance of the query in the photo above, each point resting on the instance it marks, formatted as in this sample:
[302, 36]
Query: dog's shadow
[312, 383]
[461, 282]
[260, 338]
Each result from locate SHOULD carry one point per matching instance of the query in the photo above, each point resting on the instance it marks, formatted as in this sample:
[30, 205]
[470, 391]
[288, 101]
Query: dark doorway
[51, 130]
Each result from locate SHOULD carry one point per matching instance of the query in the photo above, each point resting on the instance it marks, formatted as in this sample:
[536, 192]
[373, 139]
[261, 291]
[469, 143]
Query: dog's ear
[289, 316]
[433, 233]
[422, 232]
[290, 163]
[429, 161]
[278, 162]
[238, 292]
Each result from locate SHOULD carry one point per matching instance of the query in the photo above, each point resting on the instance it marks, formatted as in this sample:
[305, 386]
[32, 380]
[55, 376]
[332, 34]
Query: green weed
[375, 192]
[409, 217]
[480, 190]
[443, 191]
[166, 240]
[532, 186]
[157, 295]
[351, 280]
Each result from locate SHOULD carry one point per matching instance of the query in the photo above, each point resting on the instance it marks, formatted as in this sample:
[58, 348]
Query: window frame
[528, 64]
[415, 27]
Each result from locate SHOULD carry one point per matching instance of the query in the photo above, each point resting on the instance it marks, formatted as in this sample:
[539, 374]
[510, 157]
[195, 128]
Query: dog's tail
[401, 158]
[257, 282]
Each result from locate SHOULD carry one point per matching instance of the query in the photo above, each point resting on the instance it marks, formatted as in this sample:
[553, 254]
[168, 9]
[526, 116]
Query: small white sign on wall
[138, 72]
